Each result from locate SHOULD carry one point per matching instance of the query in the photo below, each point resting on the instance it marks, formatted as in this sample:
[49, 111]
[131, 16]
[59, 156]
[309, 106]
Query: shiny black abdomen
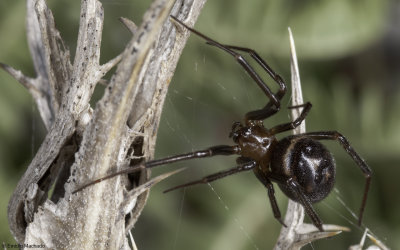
[308, 162]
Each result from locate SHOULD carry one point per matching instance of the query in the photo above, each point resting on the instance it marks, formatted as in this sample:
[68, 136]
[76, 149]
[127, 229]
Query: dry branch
[84, 143]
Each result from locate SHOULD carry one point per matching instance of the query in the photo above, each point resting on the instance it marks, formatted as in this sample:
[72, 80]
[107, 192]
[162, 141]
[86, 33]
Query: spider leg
[243, 160]
[268, 109]
[210, 178]
[271, 195]
[212, 151]
[274, 105]
[296, 188]
[291, 125]
[334, 135]
[124, 171]
[277, 78]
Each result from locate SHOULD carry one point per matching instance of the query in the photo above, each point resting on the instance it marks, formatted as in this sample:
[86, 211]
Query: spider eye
[266, 142]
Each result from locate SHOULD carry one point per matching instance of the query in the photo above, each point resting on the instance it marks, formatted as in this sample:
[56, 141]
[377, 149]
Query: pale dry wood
[131, 26]
[83, 143]
[376, 243]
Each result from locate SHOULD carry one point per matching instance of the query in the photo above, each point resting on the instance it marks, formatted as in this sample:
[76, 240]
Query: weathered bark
[85, 143]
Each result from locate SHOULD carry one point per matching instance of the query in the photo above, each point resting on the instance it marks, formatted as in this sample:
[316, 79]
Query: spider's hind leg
[367, 172]
[294, 186]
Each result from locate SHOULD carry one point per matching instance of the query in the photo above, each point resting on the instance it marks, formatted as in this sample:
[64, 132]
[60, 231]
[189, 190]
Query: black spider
[303, 168]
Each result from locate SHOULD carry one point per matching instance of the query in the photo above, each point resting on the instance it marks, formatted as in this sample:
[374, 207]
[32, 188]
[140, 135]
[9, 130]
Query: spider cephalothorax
[254, 141]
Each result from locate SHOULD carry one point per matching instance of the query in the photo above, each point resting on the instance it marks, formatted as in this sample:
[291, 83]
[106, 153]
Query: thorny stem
[84, 142]
[298, 234]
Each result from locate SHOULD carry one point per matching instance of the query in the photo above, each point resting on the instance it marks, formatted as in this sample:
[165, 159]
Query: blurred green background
[349, 59]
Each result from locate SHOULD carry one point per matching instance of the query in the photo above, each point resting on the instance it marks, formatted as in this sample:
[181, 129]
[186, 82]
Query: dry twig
[297, 233]
[84, 142]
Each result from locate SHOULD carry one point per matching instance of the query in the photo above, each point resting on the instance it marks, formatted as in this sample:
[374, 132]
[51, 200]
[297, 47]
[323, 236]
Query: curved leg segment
[273, 105]
[334, 135]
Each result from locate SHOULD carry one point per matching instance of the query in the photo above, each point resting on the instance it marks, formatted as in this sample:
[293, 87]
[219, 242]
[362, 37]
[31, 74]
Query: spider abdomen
[307, 161]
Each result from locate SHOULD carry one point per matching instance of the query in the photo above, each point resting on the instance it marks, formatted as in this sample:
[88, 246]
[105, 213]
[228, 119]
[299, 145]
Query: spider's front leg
[246, 166]
[271, 108]
[292, 125]
[274, 104]
[212, 151]
[209, 152]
